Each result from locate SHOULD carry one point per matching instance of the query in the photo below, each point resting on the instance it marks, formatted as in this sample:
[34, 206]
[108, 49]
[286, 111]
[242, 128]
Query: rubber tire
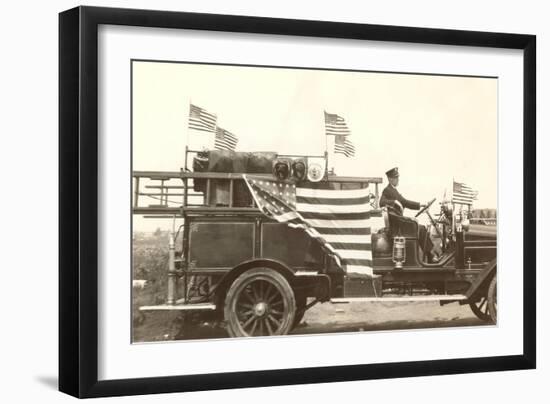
[492, 299]
[267, 274]
[486, 317]
[479, 314]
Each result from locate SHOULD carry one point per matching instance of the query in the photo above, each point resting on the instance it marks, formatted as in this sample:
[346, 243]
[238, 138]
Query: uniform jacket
[390, 194]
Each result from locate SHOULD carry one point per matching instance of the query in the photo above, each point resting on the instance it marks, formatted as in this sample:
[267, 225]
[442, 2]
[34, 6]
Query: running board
[429, 298]
[188, 307]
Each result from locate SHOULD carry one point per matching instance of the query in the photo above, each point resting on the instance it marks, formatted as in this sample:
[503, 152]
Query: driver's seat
[402, 226]
[408, 227]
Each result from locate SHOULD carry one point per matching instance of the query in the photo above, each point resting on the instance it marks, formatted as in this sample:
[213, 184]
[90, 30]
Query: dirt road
[385, 316]
[323, 318]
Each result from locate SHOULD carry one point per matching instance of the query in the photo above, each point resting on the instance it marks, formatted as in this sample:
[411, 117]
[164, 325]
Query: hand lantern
[399, 252]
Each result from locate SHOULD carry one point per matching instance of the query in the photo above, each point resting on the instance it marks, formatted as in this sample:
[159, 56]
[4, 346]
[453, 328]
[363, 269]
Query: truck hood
[481, 231]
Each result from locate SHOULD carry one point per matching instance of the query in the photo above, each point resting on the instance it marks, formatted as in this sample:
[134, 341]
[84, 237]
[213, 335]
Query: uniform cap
[394, 172]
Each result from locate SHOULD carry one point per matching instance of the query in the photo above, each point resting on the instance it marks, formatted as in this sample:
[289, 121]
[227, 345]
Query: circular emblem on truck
[314, 172]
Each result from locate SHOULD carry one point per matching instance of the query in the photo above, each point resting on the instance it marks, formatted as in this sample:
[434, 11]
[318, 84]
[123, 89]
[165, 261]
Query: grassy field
[149, 262]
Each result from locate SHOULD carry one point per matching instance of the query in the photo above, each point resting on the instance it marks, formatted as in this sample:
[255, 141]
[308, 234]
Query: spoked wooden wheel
[486, 308]
[260, 302]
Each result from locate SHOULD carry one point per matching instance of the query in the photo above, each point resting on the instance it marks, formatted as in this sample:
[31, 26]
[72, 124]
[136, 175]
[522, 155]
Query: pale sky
[434, 128]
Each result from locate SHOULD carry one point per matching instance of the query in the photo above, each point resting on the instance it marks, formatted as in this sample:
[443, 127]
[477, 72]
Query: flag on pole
[343, 145]
[463, 194]
[225, 140]
[200, 119]
[335, 125]
[341, 220]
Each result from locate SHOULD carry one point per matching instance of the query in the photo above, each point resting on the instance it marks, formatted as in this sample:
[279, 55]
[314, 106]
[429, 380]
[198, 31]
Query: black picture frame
[78, 200]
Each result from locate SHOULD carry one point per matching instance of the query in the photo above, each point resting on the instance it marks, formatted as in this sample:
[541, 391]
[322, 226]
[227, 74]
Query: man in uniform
[396, 203]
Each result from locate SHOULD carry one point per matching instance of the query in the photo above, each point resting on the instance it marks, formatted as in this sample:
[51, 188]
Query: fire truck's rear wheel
[259, 302]
[486, 307]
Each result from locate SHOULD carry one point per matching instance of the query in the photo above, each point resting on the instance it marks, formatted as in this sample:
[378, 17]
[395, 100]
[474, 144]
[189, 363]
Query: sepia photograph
[282, 201]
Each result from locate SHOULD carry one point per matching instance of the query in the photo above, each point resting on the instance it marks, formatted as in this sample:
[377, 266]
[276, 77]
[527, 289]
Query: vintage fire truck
[260, 276]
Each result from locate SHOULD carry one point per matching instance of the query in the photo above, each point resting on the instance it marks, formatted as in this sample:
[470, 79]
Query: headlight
[281, 169]
[299, 170]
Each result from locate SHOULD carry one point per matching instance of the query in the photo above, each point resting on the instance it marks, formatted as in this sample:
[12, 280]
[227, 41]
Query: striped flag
[341, 220]
[335, 125]
[463, 194]
[200, 119]
[225, 140]
[343, 145]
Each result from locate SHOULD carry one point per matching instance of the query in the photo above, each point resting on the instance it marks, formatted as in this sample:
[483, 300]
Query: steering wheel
[425, 208]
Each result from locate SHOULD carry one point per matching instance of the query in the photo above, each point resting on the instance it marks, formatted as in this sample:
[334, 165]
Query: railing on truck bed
[176, 192]
[173, 197]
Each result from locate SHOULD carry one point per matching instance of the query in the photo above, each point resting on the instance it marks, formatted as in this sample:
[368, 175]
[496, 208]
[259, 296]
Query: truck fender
[278, 266]
[483, 279]
[234, 273]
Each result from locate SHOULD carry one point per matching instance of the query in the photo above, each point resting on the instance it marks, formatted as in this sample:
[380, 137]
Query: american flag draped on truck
[342, 220]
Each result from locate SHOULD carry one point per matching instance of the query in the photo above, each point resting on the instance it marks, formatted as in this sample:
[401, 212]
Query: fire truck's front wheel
[259, 302]
[486, 307]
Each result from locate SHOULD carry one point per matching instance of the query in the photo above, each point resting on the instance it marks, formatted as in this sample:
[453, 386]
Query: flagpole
[454, 213]
[326, 148]
[215, 132]
[187, 133]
